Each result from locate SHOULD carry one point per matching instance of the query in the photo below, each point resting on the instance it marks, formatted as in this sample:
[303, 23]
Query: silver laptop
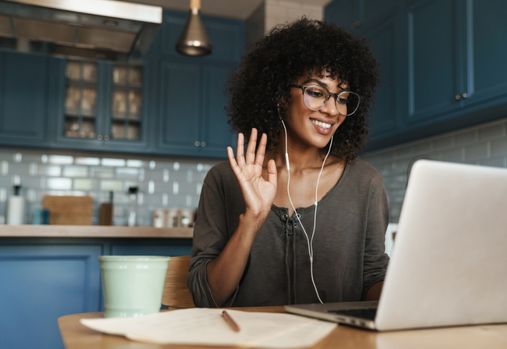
[449, 260]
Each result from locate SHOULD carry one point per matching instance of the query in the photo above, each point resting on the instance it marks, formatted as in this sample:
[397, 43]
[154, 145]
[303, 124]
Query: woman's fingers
[261, 150]
[232, 160]
[272, 171]
[240, 150]
[252, 144]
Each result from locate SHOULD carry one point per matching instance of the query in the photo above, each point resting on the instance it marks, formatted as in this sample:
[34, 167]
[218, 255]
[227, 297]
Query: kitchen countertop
[93, 231]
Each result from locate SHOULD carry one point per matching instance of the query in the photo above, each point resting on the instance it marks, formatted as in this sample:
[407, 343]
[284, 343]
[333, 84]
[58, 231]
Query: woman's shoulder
[364, 171]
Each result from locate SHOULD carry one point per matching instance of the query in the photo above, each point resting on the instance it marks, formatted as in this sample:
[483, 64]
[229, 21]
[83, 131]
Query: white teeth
[321, 124]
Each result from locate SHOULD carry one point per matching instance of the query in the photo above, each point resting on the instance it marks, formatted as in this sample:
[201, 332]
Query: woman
[296, 217]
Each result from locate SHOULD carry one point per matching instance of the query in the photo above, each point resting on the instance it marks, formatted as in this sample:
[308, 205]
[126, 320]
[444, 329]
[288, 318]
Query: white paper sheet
[203, 326]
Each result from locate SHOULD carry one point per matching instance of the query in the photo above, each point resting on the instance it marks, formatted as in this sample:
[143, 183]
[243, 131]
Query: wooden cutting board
[69, 210]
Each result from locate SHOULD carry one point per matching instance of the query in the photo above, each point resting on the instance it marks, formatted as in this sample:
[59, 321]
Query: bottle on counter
[132, 209]
[16, 207]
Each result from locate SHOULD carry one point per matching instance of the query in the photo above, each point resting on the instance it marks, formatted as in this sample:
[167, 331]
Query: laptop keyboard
[368, 313]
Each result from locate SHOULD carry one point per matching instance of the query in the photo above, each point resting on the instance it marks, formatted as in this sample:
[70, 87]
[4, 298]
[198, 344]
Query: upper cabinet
[23, 99]
[357, 15]
[192, 93]
[441, 63]
[486, 52]
[166, 104]
[101, 106]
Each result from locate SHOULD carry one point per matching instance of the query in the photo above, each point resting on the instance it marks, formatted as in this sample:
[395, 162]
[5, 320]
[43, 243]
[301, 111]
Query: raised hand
[258, 191]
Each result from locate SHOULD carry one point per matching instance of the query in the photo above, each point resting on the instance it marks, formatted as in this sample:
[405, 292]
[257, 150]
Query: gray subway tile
[476, 151]
[60, 159]
[75, 171]
[496, 130]
[87, 161]
[499, 147]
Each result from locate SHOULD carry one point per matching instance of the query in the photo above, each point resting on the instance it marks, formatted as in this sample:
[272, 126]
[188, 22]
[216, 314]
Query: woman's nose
[330, 107]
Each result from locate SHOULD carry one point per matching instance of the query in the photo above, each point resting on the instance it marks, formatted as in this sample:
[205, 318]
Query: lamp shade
[194, 41]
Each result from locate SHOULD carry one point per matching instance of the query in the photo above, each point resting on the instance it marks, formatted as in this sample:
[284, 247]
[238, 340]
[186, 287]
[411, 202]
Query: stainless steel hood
[103, 29]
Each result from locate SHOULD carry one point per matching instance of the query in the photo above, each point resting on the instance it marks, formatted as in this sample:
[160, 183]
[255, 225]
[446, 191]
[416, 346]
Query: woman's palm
[258, 191]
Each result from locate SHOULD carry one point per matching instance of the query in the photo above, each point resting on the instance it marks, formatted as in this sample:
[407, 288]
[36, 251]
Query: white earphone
[309, 240]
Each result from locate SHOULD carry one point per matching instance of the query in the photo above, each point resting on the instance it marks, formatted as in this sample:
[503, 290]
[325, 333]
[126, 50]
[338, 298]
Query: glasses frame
[328, 95]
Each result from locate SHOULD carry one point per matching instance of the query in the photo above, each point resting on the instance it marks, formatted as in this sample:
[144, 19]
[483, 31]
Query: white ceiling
[239, 9]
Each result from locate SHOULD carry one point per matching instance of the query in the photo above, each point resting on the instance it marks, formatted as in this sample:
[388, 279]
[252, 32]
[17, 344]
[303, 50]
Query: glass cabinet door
[126, 103]
[81, 100]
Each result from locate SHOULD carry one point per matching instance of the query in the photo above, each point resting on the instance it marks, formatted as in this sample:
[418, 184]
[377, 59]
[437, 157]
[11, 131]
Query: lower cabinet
[45, 278]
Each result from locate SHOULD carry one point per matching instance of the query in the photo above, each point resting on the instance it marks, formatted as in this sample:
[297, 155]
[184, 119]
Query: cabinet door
[180, 100]
[487, 50]
[215, 130]
[23, 99]
[345, 13]
[41, 283]
[434, 68]
[383, 115]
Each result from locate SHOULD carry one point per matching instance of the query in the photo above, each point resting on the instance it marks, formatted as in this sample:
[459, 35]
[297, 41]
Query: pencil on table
[230, 321]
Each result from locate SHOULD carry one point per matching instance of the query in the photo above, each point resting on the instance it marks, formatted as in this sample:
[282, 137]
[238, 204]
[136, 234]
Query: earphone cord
[309, 241]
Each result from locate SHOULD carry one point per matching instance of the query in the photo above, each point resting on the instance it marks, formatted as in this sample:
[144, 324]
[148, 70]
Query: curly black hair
[262, 82]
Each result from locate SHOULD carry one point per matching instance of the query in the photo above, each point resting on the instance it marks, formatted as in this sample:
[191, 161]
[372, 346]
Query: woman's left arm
[375, 259]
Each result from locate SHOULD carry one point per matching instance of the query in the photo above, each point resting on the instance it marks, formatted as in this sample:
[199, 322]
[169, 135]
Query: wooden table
[77, 336]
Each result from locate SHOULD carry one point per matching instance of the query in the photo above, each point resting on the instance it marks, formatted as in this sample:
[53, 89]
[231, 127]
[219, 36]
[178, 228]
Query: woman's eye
[315, 92]
[342, 100]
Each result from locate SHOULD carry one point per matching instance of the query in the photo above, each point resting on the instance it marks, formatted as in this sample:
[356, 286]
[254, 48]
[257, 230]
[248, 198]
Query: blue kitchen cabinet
[180, 98]
[215, 130]
[45, 278]
[486, 53]
[358, 15]
[192, 118]
[41, 282]
[23, 99]
[444, 63]
[387, 108]
[98, 128]
[435, 75]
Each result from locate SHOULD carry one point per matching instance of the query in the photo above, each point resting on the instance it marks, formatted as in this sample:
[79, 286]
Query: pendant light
[194, 40]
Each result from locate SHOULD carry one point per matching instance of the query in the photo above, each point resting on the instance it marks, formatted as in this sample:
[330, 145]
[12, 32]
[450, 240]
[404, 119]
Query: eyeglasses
[315, 96]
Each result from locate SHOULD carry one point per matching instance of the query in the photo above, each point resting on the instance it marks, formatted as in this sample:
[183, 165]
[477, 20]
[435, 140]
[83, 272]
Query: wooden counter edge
[92, 231]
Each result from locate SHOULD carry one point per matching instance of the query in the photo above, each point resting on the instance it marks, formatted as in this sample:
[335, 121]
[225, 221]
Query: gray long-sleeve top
[348, 244]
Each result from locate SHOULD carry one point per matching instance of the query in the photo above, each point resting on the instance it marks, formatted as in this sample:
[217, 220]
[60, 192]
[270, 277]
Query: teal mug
[132, 285]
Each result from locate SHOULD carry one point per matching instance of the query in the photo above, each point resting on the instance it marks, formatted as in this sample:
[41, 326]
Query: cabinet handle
[461, 96]
[99, 137]
[203, 144]
[197, 144]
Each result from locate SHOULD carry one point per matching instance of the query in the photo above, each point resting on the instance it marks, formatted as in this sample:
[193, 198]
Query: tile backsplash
[485, 145]
[176, 183]
[162, 182]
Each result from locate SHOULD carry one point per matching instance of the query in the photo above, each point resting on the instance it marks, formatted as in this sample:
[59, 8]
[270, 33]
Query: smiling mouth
[321, 124]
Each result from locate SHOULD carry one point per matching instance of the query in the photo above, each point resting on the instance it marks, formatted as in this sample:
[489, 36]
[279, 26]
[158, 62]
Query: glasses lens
[314, 97]
[347, 102]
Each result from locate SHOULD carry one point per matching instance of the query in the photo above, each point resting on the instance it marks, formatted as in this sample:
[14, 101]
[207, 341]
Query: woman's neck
[301, 160]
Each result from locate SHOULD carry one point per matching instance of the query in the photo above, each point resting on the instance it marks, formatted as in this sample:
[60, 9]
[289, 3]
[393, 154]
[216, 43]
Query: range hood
[96, 29]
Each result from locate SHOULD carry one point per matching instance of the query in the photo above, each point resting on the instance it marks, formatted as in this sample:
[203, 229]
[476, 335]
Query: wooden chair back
[176, 294]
